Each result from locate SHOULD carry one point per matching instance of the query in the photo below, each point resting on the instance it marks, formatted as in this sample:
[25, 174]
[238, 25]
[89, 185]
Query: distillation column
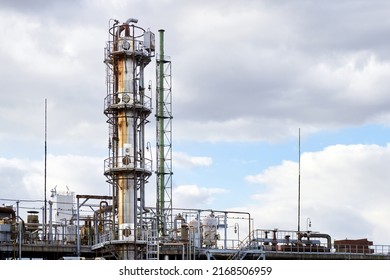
[128, 167]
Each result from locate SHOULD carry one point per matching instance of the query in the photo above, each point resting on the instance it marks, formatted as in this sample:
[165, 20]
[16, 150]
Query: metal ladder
[152, 247]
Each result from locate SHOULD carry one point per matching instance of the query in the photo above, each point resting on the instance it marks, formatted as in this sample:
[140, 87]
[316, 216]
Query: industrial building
[121, 226]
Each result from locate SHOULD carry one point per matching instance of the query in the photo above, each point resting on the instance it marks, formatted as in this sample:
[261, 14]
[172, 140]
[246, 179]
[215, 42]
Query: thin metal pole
[50, 222]
[78, 229]
[299, 182]
[19, 230]
[45, 181]
[225, 230]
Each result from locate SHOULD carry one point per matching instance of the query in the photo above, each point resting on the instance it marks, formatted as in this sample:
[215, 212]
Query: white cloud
[183, 160]
[344, 190]
[24, 178]
[193, 196]
[257, 82]
[231, 82]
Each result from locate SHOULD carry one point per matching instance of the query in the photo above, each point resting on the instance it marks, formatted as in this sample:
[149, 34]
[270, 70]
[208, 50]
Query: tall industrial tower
[164, 139]
[128, 51]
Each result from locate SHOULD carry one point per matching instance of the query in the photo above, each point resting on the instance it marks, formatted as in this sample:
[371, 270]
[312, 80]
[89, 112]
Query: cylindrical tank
[210, 234]
[32, 220]
[180, 228]
[195, 229]
[184, 232]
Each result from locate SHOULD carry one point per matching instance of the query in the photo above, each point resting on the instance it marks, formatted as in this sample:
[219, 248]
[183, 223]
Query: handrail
[127, 162]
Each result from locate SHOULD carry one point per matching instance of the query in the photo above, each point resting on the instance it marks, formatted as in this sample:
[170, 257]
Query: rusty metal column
[128, 51]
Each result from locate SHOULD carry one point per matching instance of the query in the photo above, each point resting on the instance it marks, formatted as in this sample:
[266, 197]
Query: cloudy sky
[247, 76]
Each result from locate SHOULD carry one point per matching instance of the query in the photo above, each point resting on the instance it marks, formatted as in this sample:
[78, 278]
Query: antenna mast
[299, 181]
[45, 182]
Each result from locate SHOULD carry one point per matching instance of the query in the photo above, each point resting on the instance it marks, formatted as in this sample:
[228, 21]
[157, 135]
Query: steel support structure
[164, 140]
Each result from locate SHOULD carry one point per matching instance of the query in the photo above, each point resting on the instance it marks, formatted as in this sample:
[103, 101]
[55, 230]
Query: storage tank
[70, 234]
[195, 229]
[210, 233]
[180, 228]
[32, 220]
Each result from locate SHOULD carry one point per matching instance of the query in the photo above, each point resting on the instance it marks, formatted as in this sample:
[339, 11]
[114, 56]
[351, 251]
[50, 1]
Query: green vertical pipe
[161, 128]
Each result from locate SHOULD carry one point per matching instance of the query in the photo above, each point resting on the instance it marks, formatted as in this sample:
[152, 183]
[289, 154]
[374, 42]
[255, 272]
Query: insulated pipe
[316, 235]
[43, 223]
[17, 209]
[20, 227]
[101, 207]
[50, 221]
[322, 235]
[134, 20]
